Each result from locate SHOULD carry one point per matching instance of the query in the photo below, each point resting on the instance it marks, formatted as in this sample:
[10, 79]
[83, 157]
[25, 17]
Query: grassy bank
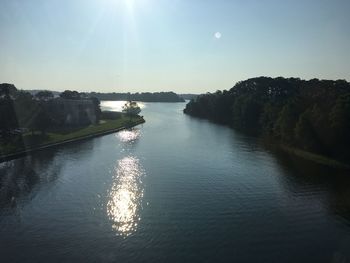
[315, 157]
[30, 141]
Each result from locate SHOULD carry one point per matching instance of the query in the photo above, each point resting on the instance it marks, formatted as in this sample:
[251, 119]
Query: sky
[185, 46]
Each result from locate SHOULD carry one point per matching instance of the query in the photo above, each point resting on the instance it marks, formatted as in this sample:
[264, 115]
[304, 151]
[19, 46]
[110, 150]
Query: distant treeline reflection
[312, 115]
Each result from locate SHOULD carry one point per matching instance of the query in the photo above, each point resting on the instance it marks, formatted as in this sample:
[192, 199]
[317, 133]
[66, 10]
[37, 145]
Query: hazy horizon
[179, 93]
[181, 46]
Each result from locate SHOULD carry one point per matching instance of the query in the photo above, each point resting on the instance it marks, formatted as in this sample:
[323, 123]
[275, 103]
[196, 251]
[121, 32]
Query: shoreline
[15, 155]
[314, 157]
[297, 152]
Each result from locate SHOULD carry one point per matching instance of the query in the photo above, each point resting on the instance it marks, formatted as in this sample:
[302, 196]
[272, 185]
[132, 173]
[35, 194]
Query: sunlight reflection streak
[128, 135]
[125, 196]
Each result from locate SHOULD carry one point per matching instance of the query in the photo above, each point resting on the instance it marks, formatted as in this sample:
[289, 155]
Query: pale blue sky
[163, 45]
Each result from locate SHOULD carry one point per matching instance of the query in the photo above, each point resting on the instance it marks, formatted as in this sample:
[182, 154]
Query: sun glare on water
[125, 196]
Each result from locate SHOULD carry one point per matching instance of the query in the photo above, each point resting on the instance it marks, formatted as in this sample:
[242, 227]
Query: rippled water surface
[175, 189]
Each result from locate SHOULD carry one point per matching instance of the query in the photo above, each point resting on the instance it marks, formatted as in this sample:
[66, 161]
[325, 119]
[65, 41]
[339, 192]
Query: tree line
[20, 110]
[143, 96]
[313, 115]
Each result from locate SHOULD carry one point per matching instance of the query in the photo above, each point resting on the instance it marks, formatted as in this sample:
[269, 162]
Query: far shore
[55, 139]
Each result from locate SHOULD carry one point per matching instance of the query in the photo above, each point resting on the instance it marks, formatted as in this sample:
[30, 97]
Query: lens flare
[217, 35]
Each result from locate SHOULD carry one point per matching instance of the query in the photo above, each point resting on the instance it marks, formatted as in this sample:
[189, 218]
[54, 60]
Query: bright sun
[129, 3]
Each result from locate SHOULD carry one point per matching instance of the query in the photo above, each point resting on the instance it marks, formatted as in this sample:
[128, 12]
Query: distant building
[75, 112]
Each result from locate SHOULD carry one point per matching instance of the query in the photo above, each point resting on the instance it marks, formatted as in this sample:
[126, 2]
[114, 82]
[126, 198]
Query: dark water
[174, 189]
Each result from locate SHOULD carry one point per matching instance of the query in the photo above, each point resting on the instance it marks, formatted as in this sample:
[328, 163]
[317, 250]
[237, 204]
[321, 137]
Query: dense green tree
[8, 117]
[314, 114]
[131, 108]
[20, 110]
[25, 107]
[285, 124]
[340, 116]
[72, 95]
[268, 118]
[246, 113]
[340, 123]
[42, 119]
[305, 133]
[7, 89]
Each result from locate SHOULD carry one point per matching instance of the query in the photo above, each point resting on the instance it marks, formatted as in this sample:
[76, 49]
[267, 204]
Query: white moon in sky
[217, 35]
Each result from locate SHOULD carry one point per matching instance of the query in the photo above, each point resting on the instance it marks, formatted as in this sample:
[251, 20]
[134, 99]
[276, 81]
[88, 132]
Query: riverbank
[32, 143]
[317, 158]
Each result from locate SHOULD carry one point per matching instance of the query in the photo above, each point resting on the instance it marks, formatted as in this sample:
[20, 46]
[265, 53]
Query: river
[175, 189]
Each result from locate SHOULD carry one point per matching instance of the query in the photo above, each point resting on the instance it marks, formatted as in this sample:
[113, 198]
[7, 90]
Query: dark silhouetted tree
[68, 94]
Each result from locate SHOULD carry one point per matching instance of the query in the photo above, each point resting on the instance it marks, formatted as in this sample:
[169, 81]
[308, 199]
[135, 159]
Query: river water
[175, 189]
